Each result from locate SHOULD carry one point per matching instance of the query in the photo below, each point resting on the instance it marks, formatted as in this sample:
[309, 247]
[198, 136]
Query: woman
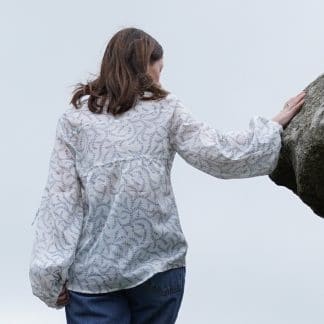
[108, 244]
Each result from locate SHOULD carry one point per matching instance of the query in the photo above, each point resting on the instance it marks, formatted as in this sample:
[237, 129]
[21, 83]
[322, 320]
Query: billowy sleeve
[59, 220]
[227, 155]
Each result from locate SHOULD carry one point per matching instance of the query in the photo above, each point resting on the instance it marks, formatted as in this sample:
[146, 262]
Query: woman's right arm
[58, 221]
[227, 155]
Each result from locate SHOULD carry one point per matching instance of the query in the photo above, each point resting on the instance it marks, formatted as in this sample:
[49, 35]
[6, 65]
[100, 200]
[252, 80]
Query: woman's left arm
[226, 155]
[59, 220]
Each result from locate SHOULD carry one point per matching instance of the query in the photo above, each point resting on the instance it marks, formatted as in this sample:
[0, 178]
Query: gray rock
[301, 162]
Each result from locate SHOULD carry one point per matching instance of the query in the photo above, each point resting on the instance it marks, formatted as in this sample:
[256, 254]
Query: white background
[255, 250]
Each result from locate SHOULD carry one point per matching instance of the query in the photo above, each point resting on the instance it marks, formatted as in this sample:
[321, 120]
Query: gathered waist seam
[147, 157]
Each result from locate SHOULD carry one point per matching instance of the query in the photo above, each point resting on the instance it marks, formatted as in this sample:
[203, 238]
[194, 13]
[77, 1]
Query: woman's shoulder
[171, 97]
[73, 117]
[171, 101]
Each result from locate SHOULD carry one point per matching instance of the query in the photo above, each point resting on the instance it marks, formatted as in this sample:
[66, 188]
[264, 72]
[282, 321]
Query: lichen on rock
[301, 162]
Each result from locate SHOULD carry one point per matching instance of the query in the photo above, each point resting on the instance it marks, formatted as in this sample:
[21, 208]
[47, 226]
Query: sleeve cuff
[276, 124]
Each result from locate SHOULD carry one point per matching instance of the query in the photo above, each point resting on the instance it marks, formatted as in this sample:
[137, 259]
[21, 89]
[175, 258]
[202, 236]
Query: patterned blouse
[107, 218]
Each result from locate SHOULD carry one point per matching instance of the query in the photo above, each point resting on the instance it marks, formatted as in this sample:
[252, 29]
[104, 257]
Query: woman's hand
[64, 297]
[291, 108]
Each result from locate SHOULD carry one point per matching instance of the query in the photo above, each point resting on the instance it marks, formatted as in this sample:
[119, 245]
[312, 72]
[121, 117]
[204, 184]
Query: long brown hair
[123, 77]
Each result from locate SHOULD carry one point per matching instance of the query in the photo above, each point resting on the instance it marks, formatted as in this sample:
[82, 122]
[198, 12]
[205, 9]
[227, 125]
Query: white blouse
[108, 219]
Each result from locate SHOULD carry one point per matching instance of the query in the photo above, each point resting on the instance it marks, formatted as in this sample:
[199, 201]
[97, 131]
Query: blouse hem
[75, 288]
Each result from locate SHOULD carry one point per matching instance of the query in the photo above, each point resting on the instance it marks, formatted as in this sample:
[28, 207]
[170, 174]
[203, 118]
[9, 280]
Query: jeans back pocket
[168, 282]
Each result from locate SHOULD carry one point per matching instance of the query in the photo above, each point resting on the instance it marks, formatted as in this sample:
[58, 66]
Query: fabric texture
[107, 218]
[155, 301]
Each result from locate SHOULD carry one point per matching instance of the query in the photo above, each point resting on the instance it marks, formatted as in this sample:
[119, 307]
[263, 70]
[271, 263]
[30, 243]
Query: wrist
[277, 120]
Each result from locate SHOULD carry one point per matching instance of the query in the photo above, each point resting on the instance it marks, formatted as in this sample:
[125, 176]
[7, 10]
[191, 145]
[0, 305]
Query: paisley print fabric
[108, 219]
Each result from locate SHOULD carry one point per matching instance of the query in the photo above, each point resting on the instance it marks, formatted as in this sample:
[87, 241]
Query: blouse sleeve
[59, 221]
[226, 155]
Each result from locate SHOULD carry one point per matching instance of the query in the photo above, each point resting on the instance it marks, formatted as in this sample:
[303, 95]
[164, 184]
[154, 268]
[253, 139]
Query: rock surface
[301, 162]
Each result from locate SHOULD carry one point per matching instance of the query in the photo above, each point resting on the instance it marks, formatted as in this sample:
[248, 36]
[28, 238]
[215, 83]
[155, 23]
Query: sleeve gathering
[59, 220]
[226, 155]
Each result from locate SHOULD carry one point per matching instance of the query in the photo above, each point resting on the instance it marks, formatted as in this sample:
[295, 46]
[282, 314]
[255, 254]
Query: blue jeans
[155, 301]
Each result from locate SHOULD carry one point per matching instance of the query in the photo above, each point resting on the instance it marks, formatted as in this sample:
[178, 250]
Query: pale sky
[255, 250]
